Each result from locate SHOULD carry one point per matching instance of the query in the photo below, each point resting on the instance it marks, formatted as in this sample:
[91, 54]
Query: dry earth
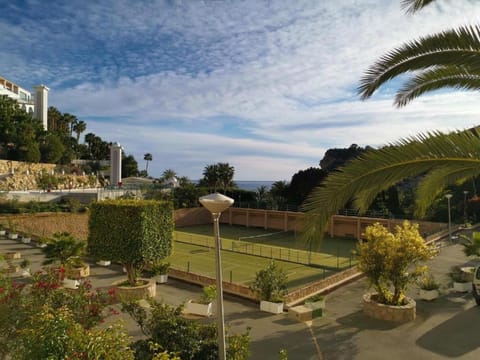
[46, 224]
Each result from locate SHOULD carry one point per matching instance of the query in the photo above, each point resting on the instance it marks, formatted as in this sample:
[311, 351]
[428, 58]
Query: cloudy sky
[267, 86]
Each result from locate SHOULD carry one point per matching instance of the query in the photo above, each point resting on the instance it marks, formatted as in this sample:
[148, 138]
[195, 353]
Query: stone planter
[13, 236]
[160, 279]
[429, 294]
[104, 262]
[271, 307]
[26, 239]
[71, 283]
[148, 289]
[12, 255]
[78, 272]
[195, 308]
[467, 273]
[317, 307]
[41, 245]
[26, 273]
[399, 314]
[462, 286]
[3, 232]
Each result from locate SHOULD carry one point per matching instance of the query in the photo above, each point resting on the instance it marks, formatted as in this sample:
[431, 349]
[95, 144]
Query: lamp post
[216, 203]
[465, 215]
[449, 196]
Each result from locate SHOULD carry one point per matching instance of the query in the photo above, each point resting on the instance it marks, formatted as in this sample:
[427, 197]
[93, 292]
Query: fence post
[231, 275]
[338, 253]
[188, 266]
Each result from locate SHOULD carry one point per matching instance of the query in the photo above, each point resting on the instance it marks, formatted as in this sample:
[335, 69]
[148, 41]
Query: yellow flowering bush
[390, 261]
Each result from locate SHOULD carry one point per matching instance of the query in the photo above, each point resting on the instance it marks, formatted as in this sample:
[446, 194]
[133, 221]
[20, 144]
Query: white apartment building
[36, 105]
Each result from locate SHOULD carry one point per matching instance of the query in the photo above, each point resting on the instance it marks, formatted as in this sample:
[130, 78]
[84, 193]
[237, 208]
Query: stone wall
[231, 288]
[21, 176]
[322, 286]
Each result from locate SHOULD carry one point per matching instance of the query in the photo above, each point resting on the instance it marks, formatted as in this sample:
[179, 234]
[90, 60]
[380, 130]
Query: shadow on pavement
[455, 337]
[358, 320]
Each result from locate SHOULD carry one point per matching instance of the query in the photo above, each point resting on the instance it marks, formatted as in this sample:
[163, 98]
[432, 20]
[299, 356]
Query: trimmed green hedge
[131, 232]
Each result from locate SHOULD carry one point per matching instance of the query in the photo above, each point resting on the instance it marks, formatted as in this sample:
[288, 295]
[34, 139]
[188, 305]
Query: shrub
[271, 283]
[45, 321]
[387, 259]
[188, 339]
[64, 249]
[428, 282]
[131, 232]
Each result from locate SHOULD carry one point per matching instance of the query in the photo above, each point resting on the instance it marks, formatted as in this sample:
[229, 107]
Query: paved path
[444, 329]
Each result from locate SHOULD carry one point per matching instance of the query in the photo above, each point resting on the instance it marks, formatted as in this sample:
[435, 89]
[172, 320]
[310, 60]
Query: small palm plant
[471, 245]
[65, 250]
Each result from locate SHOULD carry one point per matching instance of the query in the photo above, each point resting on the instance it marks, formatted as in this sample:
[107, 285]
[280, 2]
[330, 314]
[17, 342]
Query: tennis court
[248, 250]
[238, 267]
[331, 253]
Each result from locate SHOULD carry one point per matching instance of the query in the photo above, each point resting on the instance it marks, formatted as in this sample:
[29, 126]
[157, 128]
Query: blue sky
[267, 86]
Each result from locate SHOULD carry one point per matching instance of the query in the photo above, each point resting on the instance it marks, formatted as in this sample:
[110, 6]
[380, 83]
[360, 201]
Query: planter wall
[125, 292]
[429, 294]
[26, 240]
[160, 279]
[400, 314]
[462, 286]
[192, 307]
[71, 284]
[76, 273]
[271, 307]
[104, 262]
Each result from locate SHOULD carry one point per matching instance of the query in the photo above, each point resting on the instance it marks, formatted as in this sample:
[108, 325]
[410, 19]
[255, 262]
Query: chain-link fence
[339, 260]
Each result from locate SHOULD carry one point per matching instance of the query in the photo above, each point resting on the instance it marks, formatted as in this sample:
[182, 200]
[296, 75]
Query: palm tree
[169, 176]
[443, 60]
[79, 127]
[210, 176]
[441, 159]
[147, 157]
[447, 59]
[225, 174]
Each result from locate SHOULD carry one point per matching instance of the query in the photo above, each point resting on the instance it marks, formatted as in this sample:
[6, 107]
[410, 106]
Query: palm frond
[432, 185]
[412, 6]
[376, 170]
[457, 47]
[437, 78]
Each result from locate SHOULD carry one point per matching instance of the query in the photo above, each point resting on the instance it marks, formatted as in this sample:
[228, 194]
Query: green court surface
[333, 253]
[238, 267]
[241, 259]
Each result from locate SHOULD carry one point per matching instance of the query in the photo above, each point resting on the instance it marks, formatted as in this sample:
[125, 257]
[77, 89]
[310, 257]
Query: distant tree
[334, 158]
[210, 177]
[169, 176]
[129, 166]
[218, 175]
[302, 183]
[52, 150]
[225, 175]
[54, 116]
[261, 195]
[147, 157]
[278, 193]
[79, 127]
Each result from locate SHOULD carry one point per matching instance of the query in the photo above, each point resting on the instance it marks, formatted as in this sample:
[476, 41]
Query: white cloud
[269, 85]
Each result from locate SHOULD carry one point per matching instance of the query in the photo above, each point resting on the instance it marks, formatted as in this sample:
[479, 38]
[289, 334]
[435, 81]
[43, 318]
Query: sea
[253, 185]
